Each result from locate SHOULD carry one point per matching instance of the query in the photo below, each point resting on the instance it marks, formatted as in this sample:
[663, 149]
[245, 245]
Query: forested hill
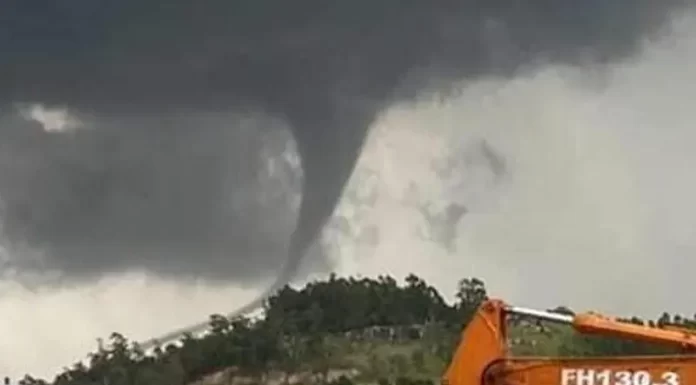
[344, 330]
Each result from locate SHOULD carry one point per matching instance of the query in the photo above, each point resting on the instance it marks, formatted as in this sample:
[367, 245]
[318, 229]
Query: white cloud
[53, 120]
[597, 208]
[44, 330]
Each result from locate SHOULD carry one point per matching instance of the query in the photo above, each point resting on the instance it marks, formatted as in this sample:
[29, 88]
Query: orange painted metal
[482, 356]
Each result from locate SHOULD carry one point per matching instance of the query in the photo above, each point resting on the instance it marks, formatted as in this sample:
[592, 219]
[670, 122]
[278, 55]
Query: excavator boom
[482, 356]
[596, 324]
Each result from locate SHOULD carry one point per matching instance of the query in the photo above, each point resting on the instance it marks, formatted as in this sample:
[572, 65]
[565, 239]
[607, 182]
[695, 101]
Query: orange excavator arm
[482, 356]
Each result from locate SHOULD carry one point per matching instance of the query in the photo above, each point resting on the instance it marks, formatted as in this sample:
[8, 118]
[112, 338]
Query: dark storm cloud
[174, 195]
[148, 184]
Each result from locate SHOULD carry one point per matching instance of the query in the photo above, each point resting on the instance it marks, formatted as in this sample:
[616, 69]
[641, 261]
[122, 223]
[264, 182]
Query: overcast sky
[180, 107]
[595, 209]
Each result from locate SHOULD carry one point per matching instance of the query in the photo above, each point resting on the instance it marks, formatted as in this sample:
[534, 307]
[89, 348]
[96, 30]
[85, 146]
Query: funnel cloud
[181, 106]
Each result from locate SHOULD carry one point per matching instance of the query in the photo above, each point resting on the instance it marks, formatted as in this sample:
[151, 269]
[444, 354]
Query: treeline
[299, 332]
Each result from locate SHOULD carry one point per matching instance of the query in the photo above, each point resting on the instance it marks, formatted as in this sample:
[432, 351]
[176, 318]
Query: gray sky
[595, 210]
[166, 95]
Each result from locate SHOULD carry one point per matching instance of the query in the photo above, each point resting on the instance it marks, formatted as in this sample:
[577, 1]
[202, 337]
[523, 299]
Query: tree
[311, 328]
[471, 292]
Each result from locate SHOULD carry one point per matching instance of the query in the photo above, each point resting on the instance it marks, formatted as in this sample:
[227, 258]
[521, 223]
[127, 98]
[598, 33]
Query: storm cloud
[182, 104]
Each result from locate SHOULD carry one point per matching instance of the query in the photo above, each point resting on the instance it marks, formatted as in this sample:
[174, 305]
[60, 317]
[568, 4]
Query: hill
[341, 330]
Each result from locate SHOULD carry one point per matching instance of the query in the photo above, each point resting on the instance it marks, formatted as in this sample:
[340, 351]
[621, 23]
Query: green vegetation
[340, 331]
